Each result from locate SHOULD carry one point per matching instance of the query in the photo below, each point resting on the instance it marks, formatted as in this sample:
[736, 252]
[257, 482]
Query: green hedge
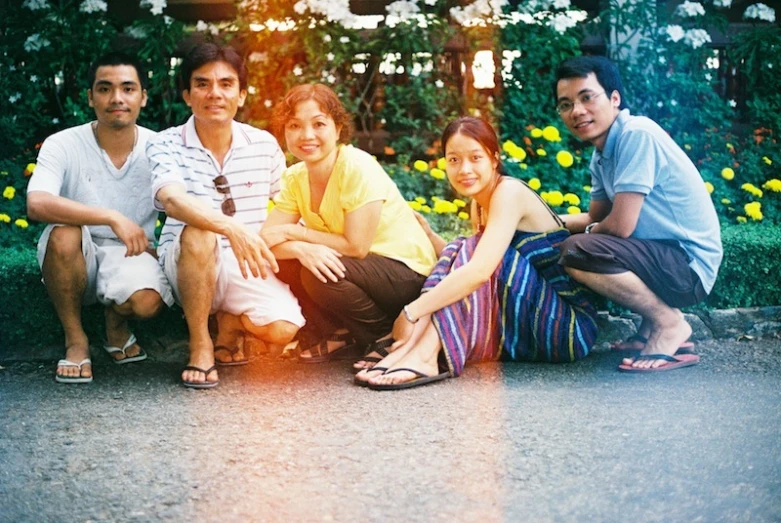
[750, 276]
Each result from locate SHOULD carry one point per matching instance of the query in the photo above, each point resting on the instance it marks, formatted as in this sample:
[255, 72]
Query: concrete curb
[742, 324]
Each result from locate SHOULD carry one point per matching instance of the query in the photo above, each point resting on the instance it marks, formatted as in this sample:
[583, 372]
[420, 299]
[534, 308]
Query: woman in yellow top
[358, 253]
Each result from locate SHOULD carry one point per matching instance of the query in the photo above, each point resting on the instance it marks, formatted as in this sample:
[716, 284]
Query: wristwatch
[408, 315]
[589, 227]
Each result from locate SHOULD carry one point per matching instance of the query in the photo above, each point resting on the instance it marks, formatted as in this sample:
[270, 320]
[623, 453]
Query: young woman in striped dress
[498, 294]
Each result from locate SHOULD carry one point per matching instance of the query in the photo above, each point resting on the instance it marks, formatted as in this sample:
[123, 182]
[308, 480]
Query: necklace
[103, 157]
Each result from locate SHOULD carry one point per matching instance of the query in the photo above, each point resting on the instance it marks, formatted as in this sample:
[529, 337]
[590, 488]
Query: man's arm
[598, 210]
[49, 208]
[622, 218]
[249, 248]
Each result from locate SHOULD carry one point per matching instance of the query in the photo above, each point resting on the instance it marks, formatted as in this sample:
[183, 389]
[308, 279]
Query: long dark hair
[479, 130]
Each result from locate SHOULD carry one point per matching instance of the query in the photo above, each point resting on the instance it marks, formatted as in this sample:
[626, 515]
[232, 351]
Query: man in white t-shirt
[214, 176]
[91, 184]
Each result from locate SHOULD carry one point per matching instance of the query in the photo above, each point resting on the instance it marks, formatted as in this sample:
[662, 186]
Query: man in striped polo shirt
[214, 177]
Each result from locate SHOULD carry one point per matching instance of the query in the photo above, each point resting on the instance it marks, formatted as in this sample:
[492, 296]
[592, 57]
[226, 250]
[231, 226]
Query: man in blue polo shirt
[652, 241]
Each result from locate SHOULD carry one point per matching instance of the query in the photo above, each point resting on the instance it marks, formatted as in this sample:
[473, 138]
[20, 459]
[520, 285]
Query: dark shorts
[663, 266]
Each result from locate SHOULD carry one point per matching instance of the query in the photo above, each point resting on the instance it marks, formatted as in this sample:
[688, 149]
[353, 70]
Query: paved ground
[279, 441]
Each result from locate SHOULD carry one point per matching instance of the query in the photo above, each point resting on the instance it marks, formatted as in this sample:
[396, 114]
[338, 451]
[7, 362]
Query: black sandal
[319, 351]
[380, 347]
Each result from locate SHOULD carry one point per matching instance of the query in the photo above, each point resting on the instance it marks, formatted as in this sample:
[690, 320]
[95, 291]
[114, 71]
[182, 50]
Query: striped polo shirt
[253, 168]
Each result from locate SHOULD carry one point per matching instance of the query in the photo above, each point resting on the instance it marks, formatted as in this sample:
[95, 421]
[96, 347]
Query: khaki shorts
[111, 276]
[263, 301]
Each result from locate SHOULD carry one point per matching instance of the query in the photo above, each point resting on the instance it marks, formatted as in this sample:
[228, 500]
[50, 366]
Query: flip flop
[380, 347]
[201, 384]
[232, 351]
[422, 379]
[127, 359]
[639, 338]
[681, 359]
[362, 383]
[73, 379]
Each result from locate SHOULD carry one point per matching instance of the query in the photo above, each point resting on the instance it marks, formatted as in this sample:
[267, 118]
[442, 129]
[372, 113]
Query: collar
[613, 134]
[239, 137]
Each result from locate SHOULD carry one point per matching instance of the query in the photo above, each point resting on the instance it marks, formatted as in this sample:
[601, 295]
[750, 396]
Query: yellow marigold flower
[425, 208]
[435, 198]
[415, 205]
[753, 211]
[421, 200]
[565, 158]
[439, 174]
[5, 218]
[551, 134]
[514, 150]
[29, 169]
[535, 184]
[709, 187]
[445, 207]
[587, 188]
[463, 215]
[772, 185]
[3, 173]
[727, 173]
[554, 198]
[459, 203]
[573, 210]
[741, 219]
[524, 166]
[508, 145]
[9, 193]
[420, 165]
[572, 199]
[687, 147]
[442, 164]
[536, 133]
[751, 189]
[726, 201]
[21, 223]
[767, 160]
[730, 146]
[541, 152]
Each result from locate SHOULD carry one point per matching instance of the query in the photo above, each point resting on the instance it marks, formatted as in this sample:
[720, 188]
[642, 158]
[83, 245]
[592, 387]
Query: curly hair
[327, 100]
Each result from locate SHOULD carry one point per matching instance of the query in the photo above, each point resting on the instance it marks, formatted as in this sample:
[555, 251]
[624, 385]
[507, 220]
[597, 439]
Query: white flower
[660, 104]
[440, 84]
[136, 32]
[214, 30]
[333, 10]
[256, 57]
[561, 4]
[769, 66]
[330, 78]
[344, 39]
[298, 71]
[708, 77]
[252, 89]
[329, 57]
[689, 9]
[168, 20]
[696, 37]
[401, 11]
[267, 103]
[674, 32]
[479, 12]
[326, 38]
[300, 7]
[431, 2]
[662, 60]
[201, 26]
[93, 6]
[733, 103]
[722, 3]
[760, 12]
[155, 6]
[55, 121]
[35, 42]
[561, 22]
[14, 98]
[673, 102]
[34, 5]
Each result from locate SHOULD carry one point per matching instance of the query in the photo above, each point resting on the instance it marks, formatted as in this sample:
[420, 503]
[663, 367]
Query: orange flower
[527, 140]
[389, 151]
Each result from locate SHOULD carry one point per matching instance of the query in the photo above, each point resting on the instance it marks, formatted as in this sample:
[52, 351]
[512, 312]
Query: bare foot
[665, 340]
[229, 338]
[422, 358]
[203, 358]
[118, 334]
[367, 373]
[365, 364]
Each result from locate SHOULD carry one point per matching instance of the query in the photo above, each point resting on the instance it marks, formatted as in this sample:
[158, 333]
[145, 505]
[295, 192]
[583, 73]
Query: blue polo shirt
[639, 156]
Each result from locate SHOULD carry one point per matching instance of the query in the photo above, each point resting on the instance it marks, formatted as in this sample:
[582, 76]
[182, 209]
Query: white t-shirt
[72, 165]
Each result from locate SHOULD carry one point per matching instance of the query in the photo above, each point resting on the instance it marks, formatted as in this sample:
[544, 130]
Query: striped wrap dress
[530, 309]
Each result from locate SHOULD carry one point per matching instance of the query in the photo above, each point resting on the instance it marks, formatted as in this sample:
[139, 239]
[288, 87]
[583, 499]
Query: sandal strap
[340, 336]
[380, 347]
[206, 372]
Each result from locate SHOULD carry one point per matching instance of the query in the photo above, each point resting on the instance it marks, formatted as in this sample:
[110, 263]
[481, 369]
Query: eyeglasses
[224, 188]
[585, 99]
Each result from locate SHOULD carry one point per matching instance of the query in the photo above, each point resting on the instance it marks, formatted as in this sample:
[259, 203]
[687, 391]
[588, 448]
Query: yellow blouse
[358, 179]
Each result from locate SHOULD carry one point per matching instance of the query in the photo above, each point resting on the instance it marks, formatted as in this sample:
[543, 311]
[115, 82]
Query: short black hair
[117, 58]
[581, 66]
[206, 53]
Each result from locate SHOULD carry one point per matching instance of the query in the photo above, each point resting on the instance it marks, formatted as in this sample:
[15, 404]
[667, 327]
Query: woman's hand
[321, 261]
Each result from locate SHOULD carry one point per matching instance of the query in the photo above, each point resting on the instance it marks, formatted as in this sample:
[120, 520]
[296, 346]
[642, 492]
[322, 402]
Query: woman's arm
[506, 211]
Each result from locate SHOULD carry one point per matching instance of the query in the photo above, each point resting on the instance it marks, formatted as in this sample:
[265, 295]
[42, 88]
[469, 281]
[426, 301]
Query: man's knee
[281, 332]
[198, 244]
[64, 243]
[146, 303]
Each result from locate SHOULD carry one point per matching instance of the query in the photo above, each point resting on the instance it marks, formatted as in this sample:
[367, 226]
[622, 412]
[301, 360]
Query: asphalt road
[280, 441]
